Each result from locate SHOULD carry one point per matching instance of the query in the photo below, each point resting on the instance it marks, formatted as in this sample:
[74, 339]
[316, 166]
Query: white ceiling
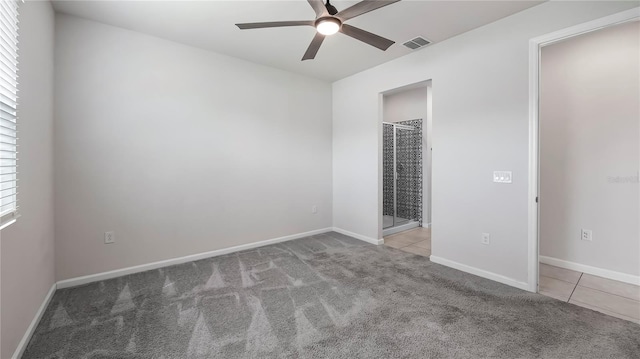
[210, 25]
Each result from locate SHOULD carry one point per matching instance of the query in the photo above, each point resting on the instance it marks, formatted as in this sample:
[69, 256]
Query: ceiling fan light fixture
[328, 25]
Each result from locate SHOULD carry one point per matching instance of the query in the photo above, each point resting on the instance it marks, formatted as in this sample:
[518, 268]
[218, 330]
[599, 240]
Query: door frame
[535, 46]
[427, 83]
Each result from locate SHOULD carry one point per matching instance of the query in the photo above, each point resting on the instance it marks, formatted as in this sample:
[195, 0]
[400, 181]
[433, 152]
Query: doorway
[405, 167]
[584, 163]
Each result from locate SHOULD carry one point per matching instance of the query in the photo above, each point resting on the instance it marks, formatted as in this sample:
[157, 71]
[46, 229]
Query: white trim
[615, 19]
[377, 242]
[480, 272]
[532, 244]
[600, 272]
[534, 65]
[72, 282]
[22, 346]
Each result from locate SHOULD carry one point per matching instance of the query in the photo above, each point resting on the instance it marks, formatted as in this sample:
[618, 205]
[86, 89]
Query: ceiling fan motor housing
[328, 18]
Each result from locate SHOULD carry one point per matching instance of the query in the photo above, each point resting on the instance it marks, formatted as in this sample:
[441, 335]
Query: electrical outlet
[314, 209]
[486, 238]
[109, 237]
[586, 235]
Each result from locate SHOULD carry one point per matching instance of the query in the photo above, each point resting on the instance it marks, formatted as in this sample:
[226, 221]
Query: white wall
[179, 150]
[480, 124]
[404, 105]
[27, 246]
[589, 145]
[411, 104]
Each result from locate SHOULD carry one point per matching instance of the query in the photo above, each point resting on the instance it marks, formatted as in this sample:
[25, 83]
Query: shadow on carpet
[325, 296]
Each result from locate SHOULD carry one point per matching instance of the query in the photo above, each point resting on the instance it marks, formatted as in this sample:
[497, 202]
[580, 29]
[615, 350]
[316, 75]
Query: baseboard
[604, 273]
[73, 282]
[22, 346]
[480, 272]
[377, 242]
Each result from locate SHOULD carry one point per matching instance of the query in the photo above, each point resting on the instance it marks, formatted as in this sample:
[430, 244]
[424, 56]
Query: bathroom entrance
[406, 158]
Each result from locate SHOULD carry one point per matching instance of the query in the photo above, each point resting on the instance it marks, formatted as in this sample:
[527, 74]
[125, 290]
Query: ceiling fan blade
[313, 48]
[366, 37]
[261, 25]
[363, 7]
[318, 7]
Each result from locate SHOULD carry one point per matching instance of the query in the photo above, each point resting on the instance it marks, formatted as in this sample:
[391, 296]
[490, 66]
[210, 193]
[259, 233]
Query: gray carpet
[326, 296]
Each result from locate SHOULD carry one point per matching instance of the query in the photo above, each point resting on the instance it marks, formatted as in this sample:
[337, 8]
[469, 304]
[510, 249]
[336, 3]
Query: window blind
[8, 114]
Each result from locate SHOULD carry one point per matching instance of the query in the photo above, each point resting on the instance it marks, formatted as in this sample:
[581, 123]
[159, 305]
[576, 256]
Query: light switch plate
[502, 176]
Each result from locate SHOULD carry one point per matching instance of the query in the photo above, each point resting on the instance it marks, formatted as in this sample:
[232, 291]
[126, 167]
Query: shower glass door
[402, 173]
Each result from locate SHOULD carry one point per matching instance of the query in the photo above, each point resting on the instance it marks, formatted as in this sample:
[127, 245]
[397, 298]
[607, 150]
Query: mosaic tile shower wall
[409, 157]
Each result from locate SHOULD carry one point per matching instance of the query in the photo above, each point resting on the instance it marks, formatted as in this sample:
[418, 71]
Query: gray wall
[179, 150]
[27, 246]
[589, 149]
[480, 124]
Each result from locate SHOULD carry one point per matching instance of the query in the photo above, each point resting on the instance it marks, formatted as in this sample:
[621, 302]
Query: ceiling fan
[329, 21]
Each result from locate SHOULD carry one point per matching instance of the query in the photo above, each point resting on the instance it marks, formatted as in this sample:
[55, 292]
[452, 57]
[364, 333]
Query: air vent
[417, 43]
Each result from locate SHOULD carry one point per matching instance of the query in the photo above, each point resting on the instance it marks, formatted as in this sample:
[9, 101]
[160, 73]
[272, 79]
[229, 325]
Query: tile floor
[607, 296]
[416, 241]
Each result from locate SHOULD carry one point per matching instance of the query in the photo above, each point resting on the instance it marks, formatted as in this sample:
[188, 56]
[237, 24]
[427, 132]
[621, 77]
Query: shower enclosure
[402, 176]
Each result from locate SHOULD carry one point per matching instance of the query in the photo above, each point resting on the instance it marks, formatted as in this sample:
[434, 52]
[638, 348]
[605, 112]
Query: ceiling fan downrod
[330, 8]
